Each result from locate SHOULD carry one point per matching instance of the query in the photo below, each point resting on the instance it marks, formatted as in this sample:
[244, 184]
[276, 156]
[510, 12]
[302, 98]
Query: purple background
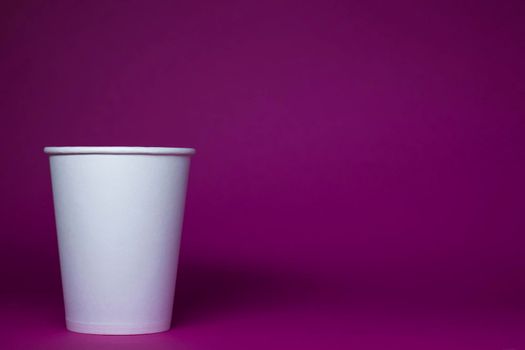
[359, 177]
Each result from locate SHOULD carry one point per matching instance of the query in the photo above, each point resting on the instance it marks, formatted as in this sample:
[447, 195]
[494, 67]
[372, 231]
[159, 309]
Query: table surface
[251, 310]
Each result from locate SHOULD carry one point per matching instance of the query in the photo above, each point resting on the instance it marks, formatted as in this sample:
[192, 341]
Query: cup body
[119, 215]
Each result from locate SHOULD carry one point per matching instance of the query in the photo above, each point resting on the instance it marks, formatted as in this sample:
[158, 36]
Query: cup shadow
[207, 291]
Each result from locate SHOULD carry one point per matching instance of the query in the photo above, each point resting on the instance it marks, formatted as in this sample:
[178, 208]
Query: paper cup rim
[119, 150]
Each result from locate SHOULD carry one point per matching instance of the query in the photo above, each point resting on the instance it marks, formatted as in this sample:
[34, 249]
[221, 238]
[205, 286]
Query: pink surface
[358, 179]
[303, 325]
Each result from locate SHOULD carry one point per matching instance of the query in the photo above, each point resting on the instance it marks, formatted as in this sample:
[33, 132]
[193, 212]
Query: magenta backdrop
[359, 177]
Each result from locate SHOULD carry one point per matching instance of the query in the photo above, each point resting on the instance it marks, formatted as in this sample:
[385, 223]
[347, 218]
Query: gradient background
[359, 177]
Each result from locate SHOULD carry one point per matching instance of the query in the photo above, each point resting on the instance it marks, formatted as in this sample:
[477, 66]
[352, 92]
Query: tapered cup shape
[119, 214]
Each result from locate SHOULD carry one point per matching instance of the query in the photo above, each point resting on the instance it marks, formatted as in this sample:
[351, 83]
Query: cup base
[116, 329]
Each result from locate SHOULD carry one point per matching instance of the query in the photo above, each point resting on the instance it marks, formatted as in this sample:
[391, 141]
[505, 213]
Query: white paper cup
[119, 214]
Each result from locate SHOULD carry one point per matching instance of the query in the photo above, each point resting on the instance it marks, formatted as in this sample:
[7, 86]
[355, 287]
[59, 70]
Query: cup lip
[53, 150]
